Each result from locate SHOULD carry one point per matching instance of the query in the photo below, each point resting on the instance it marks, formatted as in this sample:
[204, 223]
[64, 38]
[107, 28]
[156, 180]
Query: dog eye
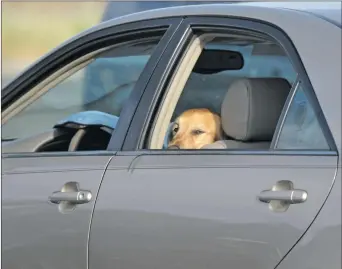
[197, 132]
[175, 129]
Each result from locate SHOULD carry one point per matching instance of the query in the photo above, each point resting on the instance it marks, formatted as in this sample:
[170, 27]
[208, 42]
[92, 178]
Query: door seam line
[314, 219]
[93, 209]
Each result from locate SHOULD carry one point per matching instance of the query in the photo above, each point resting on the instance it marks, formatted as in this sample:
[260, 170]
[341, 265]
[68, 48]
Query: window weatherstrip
[284, 113]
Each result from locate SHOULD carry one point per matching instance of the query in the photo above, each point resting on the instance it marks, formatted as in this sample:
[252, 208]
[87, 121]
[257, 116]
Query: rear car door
[160, 208]
[48, 192]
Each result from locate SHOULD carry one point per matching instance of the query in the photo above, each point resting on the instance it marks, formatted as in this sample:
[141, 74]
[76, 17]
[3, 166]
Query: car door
[211, 208]
[48, 197]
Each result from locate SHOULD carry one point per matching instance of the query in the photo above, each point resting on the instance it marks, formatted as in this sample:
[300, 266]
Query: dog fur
[195, 128]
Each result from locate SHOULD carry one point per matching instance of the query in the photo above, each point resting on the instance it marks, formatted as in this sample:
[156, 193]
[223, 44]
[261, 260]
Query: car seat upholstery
[250, 111]
[204, 91]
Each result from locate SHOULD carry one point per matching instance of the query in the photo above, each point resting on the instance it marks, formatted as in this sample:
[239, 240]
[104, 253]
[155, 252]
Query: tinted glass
[301, 130]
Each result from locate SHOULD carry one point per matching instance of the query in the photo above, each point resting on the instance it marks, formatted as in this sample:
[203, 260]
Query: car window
[103, 85]
[301, 129]
[208, 90]
[240, 107]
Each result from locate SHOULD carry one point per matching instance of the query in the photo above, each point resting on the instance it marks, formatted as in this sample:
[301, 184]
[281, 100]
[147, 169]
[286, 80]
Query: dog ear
[219, 130]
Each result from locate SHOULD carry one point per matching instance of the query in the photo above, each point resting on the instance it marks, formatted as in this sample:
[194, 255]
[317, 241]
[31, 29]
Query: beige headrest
[251, 108]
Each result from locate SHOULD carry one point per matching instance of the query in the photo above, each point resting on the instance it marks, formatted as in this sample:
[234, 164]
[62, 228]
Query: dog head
[195, 128]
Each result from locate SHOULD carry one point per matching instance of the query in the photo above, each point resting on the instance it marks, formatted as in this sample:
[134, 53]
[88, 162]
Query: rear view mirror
[214, 61]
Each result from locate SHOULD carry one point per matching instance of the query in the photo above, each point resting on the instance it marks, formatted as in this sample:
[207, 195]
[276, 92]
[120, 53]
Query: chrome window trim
[323, 153]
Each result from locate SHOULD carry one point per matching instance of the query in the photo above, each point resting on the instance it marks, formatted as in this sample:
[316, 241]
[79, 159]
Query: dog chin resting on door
[195, 128]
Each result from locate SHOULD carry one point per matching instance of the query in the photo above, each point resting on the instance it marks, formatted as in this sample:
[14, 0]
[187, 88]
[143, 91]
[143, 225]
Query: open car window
[260, 60]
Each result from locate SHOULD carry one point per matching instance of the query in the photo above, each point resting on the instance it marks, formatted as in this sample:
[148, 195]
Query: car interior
[249, 96]
[245, 80]
[101, 101]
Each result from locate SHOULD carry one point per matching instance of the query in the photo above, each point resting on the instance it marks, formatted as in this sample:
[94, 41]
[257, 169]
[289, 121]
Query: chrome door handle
[287, 196]
[78, 197]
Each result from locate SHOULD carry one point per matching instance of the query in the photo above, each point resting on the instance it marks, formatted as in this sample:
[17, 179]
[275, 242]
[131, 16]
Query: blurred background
[30, 29]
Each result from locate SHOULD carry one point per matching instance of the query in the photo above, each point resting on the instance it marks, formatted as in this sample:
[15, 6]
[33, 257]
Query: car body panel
[320, 247]
[196, 211]
[35, 233]
[329, 10]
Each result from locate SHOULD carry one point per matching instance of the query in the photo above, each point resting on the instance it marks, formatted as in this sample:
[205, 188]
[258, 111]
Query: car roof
[330, 11]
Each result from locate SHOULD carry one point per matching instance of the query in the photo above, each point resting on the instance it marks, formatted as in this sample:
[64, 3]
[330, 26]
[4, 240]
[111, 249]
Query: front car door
[48, 192]
[219, 208]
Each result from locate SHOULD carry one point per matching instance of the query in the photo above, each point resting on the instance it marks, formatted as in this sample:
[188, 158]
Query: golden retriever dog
[195, 128]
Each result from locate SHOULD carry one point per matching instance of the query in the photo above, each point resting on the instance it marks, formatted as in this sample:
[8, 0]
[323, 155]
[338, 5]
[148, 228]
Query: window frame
[93, 41]
[139, 131]
[284, 114]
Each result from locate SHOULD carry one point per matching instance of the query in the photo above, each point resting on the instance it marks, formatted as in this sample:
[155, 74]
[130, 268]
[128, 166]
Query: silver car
[88, 180]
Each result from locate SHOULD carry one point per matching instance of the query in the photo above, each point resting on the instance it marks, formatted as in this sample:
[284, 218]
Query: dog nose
[173, 147]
